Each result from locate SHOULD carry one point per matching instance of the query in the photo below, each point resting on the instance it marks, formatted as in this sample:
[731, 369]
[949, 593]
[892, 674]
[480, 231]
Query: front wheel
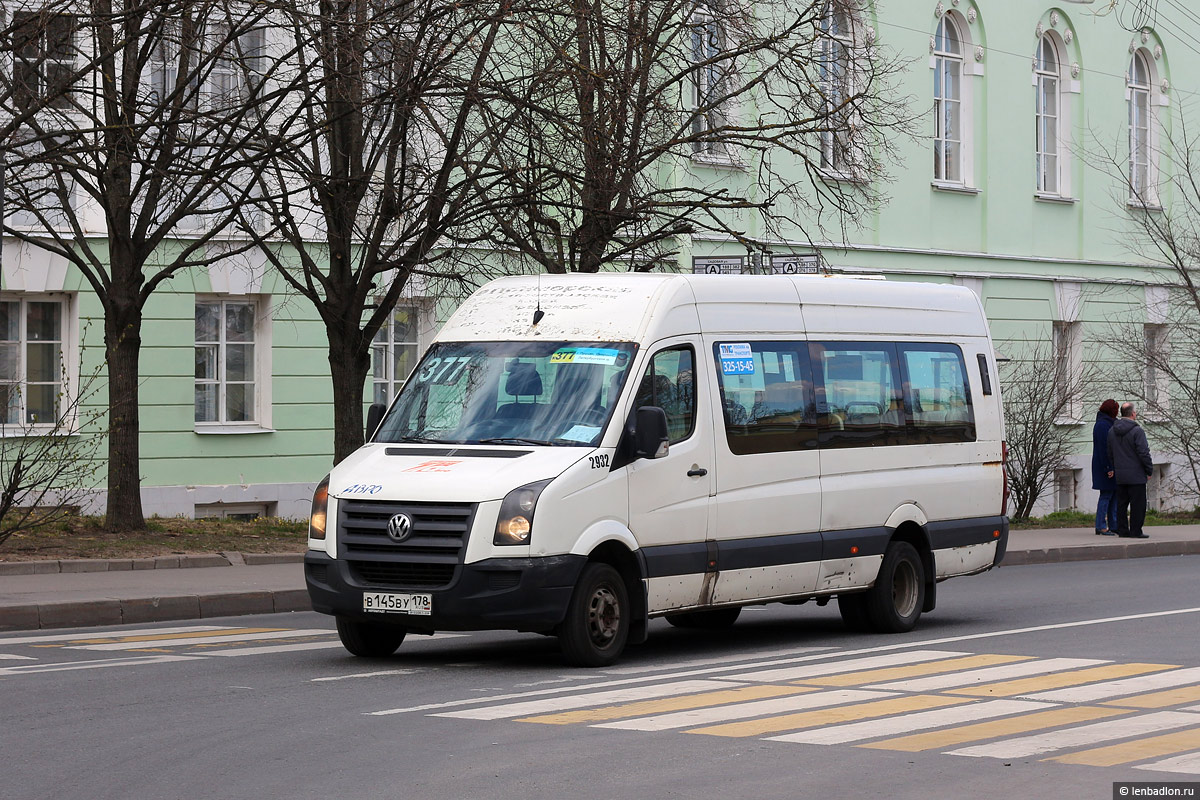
[369, 640]
[596, 627]
[894, 603]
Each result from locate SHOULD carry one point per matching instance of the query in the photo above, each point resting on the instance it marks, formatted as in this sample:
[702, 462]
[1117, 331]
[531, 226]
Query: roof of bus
[644, 307]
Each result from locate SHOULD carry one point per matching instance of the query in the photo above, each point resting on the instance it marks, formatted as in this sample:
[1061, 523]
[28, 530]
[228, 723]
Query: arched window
[947, 102]
[1047, 114]
[1141, 123]
[835, 69]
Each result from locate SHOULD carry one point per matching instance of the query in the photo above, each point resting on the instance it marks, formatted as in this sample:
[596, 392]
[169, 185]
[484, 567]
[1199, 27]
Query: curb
[74, 614]
[1099, 552]
[157, 562]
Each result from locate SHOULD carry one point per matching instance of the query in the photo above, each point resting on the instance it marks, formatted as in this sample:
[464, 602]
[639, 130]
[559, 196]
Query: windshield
[551, 393]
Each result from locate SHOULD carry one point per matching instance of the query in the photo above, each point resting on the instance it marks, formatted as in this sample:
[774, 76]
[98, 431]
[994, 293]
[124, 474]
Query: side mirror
[374, 417]
[650, 436]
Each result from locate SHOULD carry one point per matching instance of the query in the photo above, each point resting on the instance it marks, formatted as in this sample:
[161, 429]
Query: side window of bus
[937, 395]
[767, 396]
[669, 383]
[858, 394]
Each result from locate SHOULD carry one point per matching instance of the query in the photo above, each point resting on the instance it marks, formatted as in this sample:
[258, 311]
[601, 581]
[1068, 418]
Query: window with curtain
[1047, 102]
[947, 102]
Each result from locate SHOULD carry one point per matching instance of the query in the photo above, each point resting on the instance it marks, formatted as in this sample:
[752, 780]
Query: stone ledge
[76, 565]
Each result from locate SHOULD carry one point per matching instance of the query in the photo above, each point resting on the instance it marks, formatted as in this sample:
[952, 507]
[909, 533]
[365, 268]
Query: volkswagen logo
[399, 527]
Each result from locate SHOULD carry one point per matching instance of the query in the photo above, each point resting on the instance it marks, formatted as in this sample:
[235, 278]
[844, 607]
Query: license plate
[420, 605]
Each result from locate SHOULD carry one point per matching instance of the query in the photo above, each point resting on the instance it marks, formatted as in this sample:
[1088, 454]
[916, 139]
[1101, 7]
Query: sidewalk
[53, 594]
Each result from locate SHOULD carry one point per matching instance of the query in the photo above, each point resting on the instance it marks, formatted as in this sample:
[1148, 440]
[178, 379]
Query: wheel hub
[604, 616]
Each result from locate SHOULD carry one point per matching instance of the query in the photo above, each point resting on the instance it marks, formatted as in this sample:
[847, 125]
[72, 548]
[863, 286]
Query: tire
[894, 603]
[596, 627]
[369, 640]
[709, 620]
[853, 608]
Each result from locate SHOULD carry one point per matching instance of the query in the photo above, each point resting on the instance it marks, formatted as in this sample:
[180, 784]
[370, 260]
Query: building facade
[1010, 187]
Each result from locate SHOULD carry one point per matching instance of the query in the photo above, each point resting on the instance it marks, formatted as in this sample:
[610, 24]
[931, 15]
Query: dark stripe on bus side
[801, 548]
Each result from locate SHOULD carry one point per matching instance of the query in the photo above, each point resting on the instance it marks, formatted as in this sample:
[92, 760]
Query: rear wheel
[597, 623]
[369, 640]
[710, 619]
[894, 603]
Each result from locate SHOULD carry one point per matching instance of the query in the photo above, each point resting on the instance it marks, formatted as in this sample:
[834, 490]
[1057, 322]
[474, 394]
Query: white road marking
[366, 675]
[101, 664]
[67, 637]
[853, 665]
[246, 637]
[988, 674]
[277, 648]
[1123, 686]
[510, 710]
[1188, 764]
[702, 662]
[12, 657]
[758, 708]
[1125, 728]
[801, 659]
[904, 723]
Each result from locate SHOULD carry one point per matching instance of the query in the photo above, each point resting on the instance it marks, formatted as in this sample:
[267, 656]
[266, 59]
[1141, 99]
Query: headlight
[516, 514]
[320, 508]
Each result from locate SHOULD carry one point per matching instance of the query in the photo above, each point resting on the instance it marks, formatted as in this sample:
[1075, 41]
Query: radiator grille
[426, 559]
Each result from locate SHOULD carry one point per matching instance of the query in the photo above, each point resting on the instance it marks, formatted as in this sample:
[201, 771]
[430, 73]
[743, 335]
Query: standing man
[1129, 453]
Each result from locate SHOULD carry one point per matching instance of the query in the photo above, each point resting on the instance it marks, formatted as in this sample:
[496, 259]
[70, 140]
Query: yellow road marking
[864, 677]
[1168, 743]
[1167, 697]
[165, 636]
[666, 704]
[829, 716]
[1058, 680]
[45, 645]
[995, 729]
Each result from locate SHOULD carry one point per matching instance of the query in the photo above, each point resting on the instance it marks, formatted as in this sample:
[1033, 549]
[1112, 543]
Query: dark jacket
[1129, 451]
[1101, 466]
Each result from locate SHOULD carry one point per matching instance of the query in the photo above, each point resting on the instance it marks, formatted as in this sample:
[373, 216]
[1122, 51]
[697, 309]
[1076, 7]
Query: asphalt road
[972, 703]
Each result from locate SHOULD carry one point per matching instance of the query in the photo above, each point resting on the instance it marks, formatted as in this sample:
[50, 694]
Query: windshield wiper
[416, 440]
[519, 440]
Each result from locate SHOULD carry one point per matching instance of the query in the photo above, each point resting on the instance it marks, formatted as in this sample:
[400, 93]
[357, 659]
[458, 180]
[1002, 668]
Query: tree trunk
[122, 347]
[348, 369]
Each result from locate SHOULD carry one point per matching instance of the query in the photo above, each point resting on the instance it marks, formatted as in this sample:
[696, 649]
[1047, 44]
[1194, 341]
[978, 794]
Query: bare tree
[640, 122]
[1041, 392]
[1158, 345]
[125, 126]
[378, 165]
[49, 470]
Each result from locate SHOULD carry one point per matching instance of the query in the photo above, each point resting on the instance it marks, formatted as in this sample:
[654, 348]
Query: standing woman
[1102, 471]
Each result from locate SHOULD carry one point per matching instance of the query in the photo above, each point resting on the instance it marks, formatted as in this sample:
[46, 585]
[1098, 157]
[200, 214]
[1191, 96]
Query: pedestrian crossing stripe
[808, 719]
[640, 708]
[994, 729]
[911, 671]
[1024, 686]
[1140, 750]
[153, 637]
[982, 705]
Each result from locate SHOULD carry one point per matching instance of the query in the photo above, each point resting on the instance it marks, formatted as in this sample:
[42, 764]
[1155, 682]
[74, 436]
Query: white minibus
[576, 455]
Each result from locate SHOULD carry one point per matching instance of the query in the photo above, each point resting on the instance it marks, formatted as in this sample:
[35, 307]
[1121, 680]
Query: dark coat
[1101, 466]
[1129, 452]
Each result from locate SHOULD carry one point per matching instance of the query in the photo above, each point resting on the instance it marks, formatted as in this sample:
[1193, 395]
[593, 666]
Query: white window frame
[68, 378]
[1048, 117]
[261, 421]
[44, 62]
[948, 103]
[970, 58]
[836, 48]
[383, 349]
[1142, 130]
[708, 40]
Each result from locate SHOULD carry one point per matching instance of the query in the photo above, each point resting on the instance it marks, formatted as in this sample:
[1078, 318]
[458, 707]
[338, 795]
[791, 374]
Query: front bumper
[522, 594]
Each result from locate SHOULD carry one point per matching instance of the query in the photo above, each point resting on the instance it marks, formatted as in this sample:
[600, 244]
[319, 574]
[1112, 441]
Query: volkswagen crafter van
[576, 455]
